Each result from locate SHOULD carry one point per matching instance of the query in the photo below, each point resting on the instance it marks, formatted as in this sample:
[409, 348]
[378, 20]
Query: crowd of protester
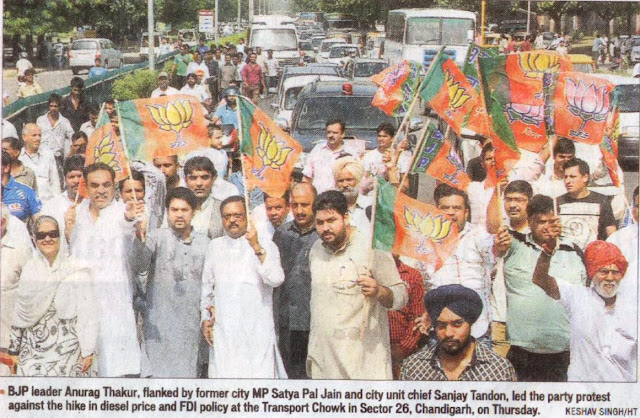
[168, 273]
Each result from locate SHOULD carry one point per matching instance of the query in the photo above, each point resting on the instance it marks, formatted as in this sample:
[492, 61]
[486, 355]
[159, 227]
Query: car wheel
[75, 70]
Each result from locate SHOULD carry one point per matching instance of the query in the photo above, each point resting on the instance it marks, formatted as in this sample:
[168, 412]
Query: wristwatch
[260, 252]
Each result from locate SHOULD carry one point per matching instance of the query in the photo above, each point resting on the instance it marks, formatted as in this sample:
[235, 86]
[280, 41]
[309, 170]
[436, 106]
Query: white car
[325, 48]
[342, 52]
[84, 52]
[290, 88]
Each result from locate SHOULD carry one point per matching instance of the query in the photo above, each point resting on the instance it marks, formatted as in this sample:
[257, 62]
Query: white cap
[636, 70]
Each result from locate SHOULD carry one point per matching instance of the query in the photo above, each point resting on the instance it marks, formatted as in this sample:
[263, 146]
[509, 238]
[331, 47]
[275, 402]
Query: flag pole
[367, 301]
[423, 136]
[123, 142]
[240, 140]
[416, 96]
[553, 192]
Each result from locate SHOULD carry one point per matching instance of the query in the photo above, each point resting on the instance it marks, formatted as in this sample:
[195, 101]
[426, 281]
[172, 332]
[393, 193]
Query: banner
[396, 87]
[411, 228]
[163, 126]
[269, 153]
[437, 158]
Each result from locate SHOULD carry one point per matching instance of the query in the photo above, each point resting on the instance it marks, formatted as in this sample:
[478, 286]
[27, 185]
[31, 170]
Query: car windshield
[291, 97]
[316, 42]
[276, 39]
[306, 46]
[81, 45]
[629, 98]
[428, 30]
[326, 46]
[636, 41]
[356, 111]
[367, 69]
[343, 51]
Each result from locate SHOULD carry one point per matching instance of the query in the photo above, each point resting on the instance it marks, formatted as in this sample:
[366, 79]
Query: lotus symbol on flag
[527, 114]
[457, 94]
[175, 116]
[535, 64]
[272, 152]
[427, 228]
[587, 102]
[104, 153]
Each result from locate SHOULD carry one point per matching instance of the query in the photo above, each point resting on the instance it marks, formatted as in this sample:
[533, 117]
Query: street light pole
[239, 11]
[151, 37]
[215, 22]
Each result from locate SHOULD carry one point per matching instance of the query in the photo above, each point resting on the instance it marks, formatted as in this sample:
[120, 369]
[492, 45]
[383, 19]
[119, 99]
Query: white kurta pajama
[102, 245]
[240, 289]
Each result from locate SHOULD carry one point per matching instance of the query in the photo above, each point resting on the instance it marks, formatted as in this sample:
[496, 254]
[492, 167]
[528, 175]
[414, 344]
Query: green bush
[136, 85]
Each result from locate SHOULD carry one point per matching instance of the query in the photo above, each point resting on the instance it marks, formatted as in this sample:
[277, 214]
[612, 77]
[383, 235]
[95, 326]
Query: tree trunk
[576, 24]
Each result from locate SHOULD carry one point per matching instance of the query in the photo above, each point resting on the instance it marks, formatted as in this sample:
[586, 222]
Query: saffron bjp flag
[396, 87]
[269, 153]
[105, 146]
[408, 227]
[515, 83]
[581, 104]
[609, 144]
[162, 126]
[437, 158]
[448, 92]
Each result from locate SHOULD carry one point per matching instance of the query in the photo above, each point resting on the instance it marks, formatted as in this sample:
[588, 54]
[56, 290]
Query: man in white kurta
[351, 294]
[96, 231]
[241, 269]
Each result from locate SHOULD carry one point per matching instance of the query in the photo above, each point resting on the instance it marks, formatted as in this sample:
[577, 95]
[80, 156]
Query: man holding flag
[351, 291]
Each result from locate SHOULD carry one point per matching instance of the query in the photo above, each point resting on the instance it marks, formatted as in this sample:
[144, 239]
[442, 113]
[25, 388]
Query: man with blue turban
[458, 356]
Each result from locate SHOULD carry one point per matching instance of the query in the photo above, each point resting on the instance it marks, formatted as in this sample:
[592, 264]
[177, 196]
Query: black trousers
[534, 367]
[293, 348]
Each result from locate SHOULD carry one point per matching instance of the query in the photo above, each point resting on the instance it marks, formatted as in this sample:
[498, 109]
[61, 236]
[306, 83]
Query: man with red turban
[604, 341]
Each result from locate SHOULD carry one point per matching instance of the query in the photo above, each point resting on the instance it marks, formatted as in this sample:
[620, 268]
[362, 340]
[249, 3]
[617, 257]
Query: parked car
[321, 101]
[363, 68]
[85, 51]
[635, 49]
[341, 52]
[310, 69]
[291, 88]
[325, 47]
[629, 105]
[583, 63]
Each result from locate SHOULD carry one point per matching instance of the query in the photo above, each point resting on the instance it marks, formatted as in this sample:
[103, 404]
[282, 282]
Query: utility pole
[251, 10]
[239, 11]
[215, 22]
[151, 36]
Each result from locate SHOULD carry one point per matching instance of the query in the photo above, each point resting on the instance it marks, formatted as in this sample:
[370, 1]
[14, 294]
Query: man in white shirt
[198, 64]
[604, 338]
[56, 129]
[164, 89]
[89, 126]
[272, 67]
[272, 214]
[96, 230]
[41, 161]
[318, 168]
[348, 172]
[215, 153]
[8, 130]
[194, 89]
[626, 239]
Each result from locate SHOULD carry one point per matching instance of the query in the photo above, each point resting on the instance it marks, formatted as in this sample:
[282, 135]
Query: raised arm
[541, 276]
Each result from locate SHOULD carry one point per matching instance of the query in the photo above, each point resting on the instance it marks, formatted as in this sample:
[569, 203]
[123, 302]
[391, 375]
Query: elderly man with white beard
[604, 340]
[348, 173]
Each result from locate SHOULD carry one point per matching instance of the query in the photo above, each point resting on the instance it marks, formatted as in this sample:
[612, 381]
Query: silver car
[85, 51]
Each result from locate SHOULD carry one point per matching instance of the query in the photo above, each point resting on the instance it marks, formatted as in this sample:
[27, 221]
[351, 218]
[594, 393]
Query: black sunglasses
[52, 234]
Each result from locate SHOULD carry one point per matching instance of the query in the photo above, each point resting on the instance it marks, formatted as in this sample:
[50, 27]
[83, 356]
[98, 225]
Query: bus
[339, 22]
[418, 34]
